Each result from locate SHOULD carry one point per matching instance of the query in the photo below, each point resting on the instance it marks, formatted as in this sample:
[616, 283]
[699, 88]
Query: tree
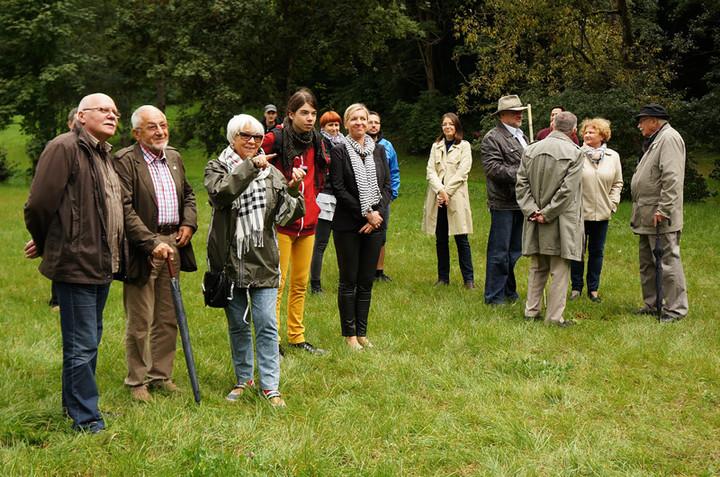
[49, 56]
[550, 45]
[231, 61]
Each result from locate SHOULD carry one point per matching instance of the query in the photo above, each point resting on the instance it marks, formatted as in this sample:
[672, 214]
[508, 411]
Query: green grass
[456, 388]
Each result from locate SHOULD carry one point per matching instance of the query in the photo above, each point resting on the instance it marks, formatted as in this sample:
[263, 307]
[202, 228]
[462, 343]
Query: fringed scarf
[294, 144]
[249, 206]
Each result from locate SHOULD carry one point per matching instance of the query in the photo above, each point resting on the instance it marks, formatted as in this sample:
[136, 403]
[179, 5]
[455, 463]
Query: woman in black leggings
[360, 179]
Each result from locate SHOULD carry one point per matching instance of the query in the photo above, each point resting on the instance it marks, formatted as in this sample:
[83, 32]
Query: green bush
[418, 124]
[7, 169]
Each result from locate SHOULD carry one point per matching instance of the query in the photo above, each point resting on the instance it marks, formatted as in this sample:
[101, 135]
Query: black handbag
[217, 289]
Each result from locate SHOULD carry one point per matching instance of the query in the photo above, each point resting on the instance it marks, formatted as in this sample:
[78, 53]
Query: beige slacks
[150, 323]
[558, 269]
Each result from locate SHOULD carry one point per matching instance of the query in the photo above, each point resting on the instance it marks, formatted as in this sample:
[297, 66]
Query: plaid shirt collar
[150, 157]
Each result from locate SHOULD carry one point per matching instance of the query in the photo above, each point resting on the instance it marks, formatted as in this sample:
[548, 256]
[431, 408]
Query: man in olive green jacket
[657, 195]
[549, 193]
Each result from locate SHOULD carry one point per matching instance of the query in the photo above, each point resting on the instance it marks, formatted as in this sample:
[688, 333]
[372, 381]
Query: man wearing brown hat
[657, 196]
[501, 150]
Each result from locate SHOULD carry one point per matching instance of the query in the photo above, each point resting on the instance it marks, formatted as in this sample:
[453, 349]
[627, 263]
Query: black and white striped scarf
[365, 176]
[250, 205]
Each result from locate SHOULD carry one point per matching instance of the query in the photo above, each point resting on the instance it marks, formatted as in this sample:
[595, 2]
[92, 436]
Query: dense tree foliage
[409, 59]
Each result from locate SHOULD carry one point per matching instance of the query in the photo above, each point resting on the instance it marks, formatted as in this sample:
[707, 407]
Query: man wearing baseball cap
[501, 151]
[657, 208]
[270, 120]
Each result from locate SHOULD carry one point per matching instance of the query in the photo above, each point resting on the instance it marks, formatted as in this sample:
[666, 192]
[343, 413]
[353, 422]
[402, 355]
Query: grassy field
[456, 388]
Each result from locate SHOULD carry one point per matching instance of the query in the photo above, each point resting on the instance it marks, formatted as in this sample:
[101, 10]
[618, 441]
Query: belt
[167, 229]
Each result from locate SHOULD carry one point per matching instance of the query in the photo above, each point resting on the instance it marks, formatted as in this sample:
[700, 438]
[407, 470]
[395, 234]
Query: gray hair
[240, 123]
[662, 122]
[73, 115]
[565, 122]
[136, 117]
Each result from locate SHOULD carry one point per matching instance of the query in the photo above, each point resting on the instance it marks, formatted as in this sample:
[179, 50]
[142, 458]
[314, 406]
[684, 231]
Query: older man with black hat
[657, 195]
[501, 150]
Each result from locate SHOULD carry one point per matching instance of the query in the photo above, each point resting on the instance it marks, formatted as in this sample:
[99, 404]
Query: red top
[305, 225]
[543, 133]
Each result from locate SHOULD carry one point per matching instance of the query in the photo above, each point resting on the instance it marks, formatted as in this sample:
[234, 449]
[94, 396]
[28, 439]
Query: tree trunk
[426, 53]
[161, 94]
[626, 22]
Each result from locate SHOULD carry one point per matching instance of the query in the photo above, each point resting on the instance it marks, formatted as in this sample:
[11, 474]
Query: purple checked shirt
[165, 192]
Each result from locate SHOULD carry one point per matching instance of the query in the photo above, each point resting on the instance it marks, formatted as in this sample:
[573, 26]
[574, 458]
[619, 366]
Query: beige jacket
[657, 185]
[549, 180]
[449, 170]
[601, 186]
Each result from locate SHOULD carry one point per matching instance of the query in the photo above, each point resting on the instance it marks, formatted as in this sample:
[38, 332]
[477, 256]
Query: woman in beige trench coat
[447, 205]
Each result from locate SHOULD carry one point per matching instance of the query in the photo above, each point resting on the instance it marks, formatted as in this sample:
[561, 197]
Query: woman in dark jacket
[360, 179]
[330, 124]
[248, 197]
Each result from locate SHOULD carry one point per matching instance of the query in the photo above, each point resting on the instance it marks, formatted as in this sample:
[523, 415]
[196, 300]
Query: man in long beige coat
[549, 193]
[657, 195]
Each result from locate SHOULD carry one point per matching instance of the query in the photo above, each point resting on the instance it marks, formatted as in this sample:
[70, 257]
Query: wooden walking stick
[532, 133]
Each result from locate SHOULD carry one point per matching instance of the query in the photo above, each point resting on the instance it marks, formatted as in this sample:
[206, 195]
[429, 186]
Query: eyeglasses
[156, 127]
[105, 111]
[246, 137]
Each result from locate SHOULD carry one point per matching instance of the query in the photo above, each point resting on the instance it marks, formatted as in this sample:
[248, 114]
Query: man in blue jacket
[374, 130]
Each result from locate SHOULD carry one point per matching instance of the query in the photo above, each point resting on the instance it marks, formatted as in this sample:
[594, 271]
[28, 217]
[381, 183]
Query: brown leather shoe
[141, 393]
[166, 385]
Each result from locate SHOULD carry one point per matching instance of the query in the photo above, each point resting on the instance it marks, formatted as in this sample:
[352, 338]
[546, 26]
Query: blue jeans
[262, 316]
[503, 251]
[81, 315]
[443, 250]
[595, 235]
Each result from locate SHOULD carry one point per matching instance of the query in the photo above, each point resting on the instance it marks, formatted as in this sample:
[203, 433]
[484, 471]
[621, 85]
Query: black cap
[653, 110]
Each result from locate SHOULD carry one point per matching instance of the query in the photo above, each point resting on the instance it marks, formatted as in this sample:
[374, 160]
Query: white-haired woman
[360, 179]
[248, 198]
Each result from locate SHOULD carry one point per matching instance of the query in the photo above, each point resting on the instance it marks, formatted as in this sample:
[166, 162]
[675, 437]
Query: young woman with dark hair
[447, 204]
[296, 144]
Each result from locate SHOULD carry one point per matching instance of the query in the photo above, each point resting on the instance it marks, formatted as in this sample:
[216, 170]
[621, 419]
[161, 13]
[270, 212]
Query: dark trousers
[595, 235]
[322, 238]
[442, 246]
[81, 324]
[503, 251]
[357, 256]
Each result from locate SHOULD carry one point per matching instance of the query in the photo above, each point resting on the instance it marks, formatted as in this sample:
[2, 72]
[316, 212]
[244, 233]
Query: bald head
[98, 115]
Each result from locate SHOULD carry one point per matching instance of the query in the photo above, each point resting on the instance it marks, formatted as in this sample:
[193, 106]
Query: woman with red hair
[330, 124]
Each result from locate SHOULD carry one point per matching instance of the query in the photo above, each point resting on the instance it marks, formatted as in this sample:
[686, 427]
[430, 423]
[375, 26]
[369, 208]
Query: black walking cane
[184, 331]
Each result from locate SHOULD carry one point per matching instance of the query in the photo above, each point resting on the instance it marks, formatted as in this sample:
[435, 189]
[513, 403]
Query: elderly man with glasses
[160, 220]
[74, 215]
[657, 211]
